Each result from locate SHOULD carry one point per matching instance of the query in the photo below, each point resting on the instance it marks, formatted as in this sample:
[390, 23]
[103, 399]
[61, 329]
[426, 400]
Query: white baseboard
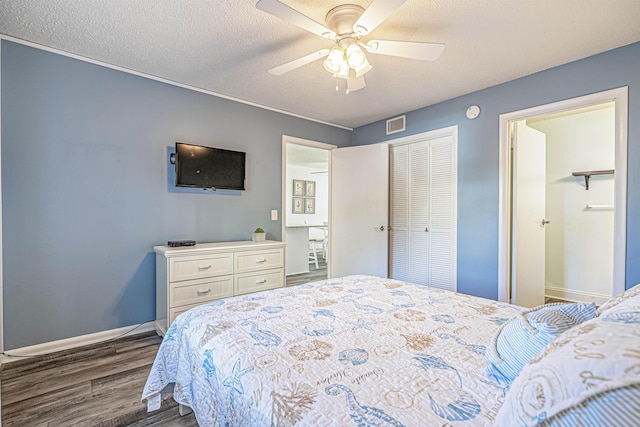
[73, 342]
[573, 295]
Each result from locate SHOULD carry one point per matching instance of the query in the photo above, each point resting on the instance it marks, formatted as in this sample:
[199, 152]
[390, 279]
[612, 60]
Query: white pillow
[618, 299]
[590, 375]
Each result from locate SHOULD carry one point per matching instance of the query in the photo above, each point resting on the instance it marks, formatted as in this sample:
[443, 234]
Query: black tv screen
[209, 168]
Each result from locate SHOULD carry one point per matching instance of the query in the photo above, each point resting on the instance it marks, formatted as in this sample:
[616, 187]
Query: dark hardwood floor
[96, 385]
[549, 300]
[313, 275]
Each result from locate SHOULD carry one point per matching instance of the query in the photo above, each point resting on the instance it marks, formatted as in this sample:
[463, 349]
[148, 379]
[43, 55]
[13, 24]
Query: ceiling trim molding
[161, 80]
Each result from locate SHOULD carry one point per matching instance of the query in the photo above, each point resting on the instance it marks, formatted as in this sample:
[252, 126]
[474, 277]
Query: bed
[363, 351]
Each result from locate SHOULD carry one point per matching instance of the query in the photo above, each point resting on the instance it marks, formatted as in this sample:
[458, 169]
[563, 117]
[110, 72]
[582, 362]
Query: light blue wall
[478, 153]
[85, 191]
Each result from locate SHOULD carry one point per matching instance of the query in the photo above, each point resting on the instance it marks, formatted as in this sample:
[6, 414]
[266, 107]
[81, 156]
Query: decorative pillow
[520, 339]
[590, 375]
[614, 407]
[618, 299]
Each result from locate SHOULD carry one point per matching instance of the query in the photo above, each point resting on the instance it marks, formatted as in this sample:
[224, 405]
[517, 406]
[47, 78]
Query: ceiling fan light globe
[334, 61]
[330, 66]
[355, 56]
[362, 69]
[343, 73]
[336, 54]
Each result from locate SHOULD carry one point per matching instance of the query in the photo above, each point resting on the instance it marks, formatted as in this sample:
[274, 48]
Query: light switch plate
[274, 215]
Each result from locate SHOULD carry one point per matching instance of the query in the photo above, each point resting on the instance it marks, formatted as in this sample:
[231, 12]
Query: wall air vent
[397, 124]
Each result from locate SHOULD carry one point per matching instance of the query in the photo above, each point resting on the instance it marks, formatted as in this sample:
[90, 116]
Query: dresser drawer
[177, 311]
[259, 260]
[196, 267]
[200, 291]
[259, 281]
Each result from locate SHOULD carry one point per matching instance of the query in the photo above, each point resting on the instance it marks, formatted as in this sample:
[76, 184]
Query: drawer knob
[204, 267]
[203, 292]
[261, 281]
[261, 260]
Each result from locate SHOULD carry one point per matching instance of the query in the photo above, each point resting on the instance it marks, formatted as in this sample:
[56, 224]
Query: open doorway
[305, 209]
[559, 240]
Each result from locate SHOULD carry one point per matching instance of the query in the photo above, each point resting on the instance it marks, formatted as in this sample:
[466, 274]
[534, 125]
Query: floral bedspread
[357, 350]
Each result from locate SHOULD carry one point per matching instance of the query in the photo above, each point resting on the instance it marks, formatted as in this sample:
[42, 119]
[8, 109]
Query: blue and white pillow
[588, 376]
[522, 338]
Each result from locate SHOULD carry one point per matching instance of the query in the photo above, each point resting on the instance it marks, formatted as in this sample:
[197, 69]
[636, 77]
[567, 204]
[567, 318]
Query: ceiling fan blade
[282, 11]
[414, 50]
[296, 63]
[377, 12]
[355, 83]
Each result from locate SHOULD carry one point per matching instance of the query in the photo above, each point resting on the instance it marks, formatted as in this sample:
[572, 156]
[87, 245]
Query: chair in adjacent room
[317, 242]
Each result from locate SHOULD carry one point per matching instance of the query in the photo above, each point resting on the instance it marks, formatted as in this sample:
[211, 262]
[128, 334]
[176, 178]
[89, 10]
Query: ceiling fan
[347, 25]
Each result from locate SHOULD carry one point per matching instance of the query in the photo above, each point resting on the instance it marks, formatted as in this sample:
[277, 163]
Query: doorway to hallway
[305, 210]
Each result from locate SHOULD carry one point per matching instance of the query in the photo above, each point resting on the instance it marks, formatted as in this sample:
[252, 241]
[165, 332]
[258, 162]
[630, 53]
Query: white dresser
[192, 275]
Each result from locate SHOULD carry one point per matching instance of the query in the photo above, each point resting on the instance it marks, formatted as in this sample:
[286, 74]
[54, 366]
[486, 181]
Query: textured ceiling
[227, 46]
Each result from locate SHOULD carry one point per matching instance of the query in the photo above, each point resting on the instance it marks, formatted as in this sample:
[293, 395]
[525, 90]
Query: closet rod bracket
[587, 175]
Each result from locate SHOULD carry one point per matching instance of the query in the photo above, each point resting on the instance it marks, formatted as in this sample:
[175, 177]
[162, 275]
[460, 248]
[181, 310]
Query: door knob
[544, 221]
[381, 228]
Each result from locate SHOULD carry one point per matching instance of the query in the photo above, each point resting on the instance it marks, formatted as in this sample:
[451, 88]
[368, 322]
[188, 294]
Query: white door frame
[432, 134]
[620, 97]
[286, 139]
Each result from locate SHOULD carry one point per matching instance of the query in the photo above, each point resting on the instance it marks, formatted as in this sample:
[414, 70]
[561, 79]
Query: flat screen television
[209, 168]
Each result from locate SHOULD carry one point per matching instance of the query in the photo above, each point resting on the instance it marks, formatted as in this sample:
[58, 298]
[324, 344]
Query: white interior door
[359, 212]
[529, 222]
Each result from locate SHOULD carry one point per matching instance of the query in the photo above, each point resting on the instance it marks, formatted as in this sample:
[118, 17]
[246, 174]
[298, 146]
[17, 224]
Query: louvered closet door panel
[441, 184]
[442, 274]
[399, 187]
[419, 186]
[419, 261]
[443, 214]
[399, 211]
[419, 194]
[398, 256]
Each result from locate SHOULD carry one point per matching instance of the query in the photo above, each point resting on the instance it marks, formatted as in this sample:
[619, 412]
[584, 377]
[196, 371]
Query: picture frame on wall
[310, 189]
[310, 206]
[298, 187]
[297, 207]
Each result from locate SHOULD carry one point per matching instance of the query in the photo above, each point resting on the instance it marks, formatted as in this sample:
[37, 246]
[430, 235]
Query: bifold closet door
[423, 213]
